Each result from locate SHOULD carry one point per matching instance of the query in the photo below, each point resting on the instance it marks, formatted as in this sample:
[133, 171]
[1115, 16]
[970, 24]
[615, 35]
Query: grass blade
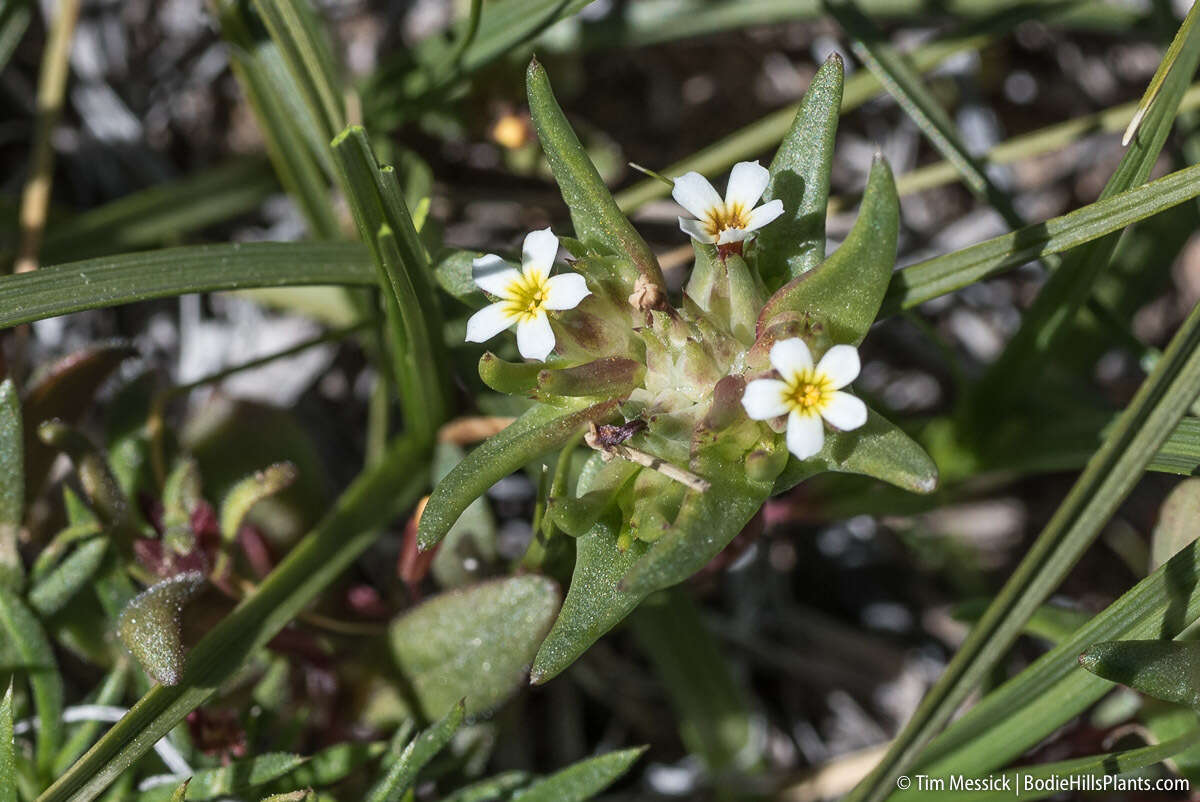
[581, 781]
[12, 486]
[944, 274]
[8, 759]
[422, 749]
[114, 280]
[1112, 472]
[1160, 75]
[350, 527]
[24, 632]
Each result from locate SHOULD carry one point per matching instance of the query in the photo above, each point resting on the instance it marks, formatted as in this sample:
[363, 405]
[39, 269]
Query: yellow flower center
[807, 393]
[526, 296]
[722, 217]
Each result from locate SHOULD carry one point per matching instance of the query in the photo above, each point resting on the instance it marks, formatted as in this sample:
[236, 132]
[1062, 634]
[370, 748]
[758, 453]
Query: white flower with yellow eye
[526, 293]
[734, 219]
[806, 394]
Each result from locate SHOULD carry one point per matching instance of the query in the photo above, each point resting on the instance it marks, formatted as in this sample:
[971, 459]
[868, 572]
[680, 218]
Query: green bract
[678, 468]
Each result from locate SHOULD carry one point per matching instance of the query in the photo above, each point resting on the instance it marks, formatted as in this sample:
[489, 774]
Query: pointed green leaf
[402, 773]
[22, 629]
[8, 759]
[51, 594]
[593, 605]
[879, 449]
[12, 486]
[474, 643]
[539, 431]
[493, 789]
[1177, 522]
[1165, 669]
[795, 242]
[581, 781]
[845, 291]
[180, 792]
[237, 778]
[110, 692]
[594, 213]
[242, 497]
[511, 378]
[151, 626]
[1031, 780]
[470, 545]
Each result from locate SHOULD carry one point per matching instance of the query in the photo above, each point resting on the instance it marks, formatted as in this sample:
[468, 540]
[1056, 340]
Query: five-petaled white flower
[806, 394]
[733, 219]
[525, 294]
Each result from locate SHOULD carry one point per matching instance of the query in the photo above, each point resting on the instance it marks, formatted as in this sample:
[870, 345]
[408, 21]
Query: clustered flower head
[805, 395]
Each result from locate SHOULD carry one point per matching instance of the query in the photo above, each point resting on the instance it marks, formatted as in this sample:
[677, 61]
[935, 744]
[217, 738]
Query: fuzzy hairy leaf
[581, 781]
[238, 777]
[539, 431]
[403, 772]
[1165, 669]
[795, 243]
[12, 485]
[845, 291]
[594, 213]
[473, 643]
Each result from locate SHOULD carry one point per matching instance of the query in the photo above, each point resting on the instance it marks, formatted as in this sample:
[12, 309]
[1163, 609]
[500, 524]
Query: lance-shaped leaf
[474, 643]
[593, 605]
[237, 778]
[52, 593]
[151, 626]
[1165, 669]
[845, 291]
[12, 486]
[1178, 522]
[494, 788]
[402, 774]
[21, 628]
[582, 780]
[609, 376]
[707, 521]
[795, 243]
[103, 492]
[251, 490]
[539, 431]
[597, 220]
[878, 448]
[8, 762]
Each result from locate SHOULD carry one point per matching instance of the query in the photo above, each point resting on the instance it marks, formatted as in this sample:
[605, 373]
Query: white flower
[733, 219]
[525, 294]
[806, 394]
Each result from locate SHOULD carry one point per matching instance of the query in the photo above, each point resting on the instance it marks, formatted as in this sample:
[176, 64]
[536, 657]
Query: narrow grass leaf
[384, 489]
[110, 692]
[402, 773]
[12, 486]
[1160, 75]
[22, 629]
[1164, 669]
[52, 593]
[8, 758]
[581, 781]
[114, 280]
[237, 778]
[944, 274]
[1158, 406]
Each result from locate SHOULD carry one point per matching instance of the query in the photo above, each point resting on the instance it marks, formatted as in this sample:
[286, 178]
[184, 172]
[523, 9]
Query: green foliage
[581, 781]
[402, 772]
[472, 644]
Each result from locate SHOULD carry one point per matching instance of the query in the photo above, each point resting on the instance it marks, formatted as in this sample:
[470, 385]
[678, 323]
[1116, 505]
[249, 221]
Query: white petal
[790, 357]
[764, 214]
[840, 365]
[805, 435]
[539, 251]
[566, 291]
[535, 338]
[693, 192]
[493, 274]
[747, 182]
[488, 322]
[695, 230]
[763, 399]
[845, 412]
[729, 235]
